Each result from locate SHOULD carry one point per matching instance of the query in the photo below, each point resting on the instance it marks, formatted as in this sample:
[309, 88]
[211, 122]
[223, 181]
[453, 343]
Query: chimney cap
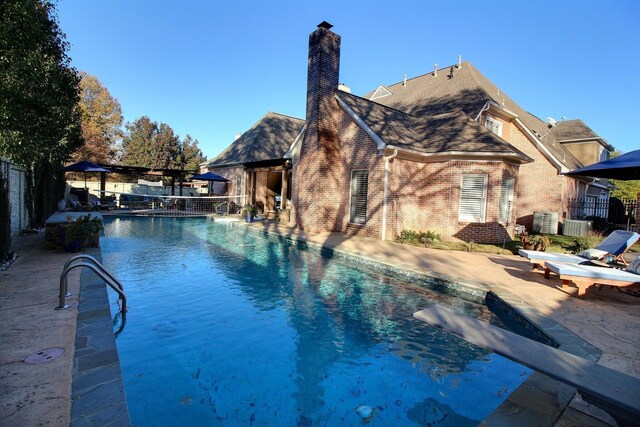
[325, 24]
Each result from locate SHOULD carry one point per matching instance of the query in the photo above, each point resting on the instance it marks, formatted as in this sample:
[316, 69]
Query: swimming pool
[227, 327]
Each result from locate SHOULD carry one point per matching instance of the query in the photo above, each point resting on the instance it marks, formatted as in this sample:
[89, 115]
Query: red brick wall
[426, 196]
[540, 187]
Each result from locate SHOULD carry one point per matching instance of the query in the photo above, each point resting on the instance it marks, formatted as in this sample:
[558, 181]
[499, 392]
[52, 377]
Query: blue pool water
[226, 327]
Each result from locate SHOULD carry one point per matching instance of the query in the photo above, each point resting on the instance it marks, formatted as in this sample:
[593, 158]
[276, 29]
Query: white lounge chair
[584, 276]
[615, 244]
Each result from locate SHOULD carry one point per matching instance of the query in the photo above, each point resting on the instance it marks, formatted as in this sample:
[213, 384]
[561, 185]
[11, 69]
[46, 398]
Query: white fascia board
[540, 146]
[379, 142]
[296, 141]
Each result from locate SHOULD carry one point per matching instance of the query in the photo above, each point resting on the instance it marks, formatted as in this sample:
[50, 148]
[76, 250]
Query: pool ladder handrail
[100, 271]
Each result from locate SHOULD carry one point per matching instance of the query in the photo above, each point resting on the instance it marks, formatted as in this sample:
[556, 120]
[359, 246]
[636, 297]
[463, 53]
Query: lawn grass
[512, 246]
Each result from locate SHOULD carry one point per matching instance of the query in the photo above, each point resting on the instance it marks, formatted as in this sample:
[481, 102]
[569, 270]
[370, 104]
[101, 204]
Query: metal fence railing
[146, 204]
[610, 212]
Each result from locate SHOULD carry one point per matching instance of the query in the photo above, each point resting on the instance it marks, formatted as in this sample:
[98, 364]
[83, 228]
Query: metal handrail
[94, 261]
[100, 271]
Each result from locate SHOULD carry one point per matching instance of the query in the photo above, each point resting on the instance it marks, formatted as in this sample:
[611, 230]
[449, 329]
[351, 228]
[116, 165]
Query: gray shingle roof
[572, 129]
[268, 139]
[467, 90]
[436, 134]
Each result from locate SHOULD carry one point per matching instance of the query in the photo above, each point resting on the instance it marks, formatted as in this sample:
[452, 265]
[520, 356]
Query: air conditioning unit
[545, 222]
[573, 227]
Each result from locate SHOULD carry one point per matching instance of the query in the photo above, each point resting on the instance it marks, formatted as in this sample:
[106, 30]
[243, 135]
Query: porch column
[283, 192]
[103, 183]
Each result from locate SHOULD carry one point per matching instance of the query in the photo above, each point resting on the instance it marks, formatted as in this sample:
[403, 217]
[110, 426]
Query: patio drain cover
[44, 356]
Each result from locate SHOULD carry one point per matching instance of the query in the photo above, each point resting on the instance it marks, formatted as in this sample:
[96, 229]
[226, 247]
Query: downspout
[386, 192]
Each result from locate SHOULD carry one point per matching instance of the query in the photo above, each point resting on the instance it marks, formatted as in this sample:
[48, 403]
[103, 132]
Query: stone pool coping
[97, 390]
[98, 395]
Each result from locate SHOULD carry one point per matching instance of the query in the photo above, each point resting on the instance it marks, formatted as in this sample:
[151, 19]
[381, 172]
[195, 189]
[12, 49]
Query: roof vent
[450, 73]
[381, 92]
[404, 82]
[238, 135]
[325, 25]
[459, 61]
[435, 70]
[343, 87]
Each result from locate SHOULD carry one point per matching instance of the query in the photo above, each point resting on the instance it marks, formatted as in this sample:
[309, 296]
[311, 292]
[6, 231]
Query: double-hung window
[493, 125]
[359, 187]
[506, 199]
[473, 198]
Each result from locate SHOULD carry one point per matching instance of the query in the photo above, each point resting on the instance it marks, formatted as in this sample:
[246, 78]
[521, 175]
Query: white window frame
[506, 199]
[467, 197]
[353, 217]
[493, 125]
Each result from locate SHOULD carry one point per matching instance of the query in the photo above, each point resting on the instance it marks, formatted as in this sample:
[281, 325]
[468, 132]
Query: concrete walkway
[37, 394]
[40, 394]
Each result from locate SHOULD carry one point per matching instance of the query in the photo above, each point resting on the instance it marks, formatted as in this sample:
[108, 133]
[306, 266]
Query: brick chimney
[318, 174]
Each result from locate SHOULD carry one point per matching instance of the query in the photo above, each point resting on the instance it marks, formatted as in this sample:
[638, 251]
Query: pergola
[140, 170]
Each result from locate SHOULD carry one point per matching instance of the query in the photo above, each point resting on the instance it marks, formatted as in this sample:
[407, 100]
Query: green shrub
[418, 237]
[578, 245]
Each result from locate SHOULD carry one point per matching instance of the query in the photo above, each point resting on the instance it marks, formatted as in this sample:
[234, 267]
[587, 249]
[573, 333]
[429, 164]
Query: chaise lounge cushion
[592, 254]
[591, 272]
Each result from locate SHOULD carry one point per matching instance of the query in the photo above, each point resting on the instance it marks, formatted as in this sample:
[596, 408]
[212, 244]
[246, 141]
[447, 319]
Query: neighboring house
[447, 152]
[587, 148]
[255, 163]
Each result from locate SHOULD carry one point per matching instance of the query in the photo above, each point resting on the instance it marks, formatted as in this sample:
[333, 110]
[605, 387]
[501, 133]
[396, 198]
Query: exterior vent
[545, 222]
[573, 227]
[381, 92]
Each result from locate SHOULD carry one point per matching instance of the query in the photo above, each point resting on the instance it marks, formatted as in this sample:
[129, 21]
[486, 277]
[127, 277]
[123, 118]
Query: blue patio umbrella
[85, 166]
[624, 167]
[210, 176]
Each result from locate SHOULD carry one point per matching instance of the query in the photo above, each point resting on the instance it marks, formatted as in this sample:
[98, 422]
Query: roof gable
[573, 129]
[465, 88]
[452, 132]
[268, 139]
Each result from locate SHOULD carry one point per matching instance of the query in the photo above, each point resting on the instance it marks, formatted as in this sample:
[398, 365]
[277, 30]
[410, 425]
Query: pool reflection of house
[446, 151]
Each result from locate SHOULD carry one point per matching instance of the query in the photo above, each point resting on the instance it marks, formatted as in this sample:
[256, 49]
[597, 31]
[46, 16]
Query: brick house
[555, 147]
[446, 152]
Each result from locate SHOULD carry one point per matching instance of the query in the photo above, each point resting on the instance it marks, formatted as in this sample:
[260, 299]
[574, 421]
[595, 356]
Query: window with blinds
[506, 199]
[359, 187]
[473, 198]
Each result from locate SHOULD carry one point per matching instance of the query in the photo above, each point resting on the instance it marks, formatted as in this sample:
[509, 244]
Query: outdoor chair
[74, 201]
[615, 244]
[584, 276]
[95, 202]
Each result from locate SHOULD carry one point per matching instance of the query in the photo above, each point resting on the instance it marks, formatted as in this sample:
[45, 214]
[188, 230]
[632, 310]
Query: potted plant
[249, 212]
[84, 230]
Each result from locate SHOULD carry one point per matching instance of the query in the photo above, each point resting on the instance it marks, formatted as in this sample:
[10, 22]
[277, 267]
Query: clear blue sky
[213, 68]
